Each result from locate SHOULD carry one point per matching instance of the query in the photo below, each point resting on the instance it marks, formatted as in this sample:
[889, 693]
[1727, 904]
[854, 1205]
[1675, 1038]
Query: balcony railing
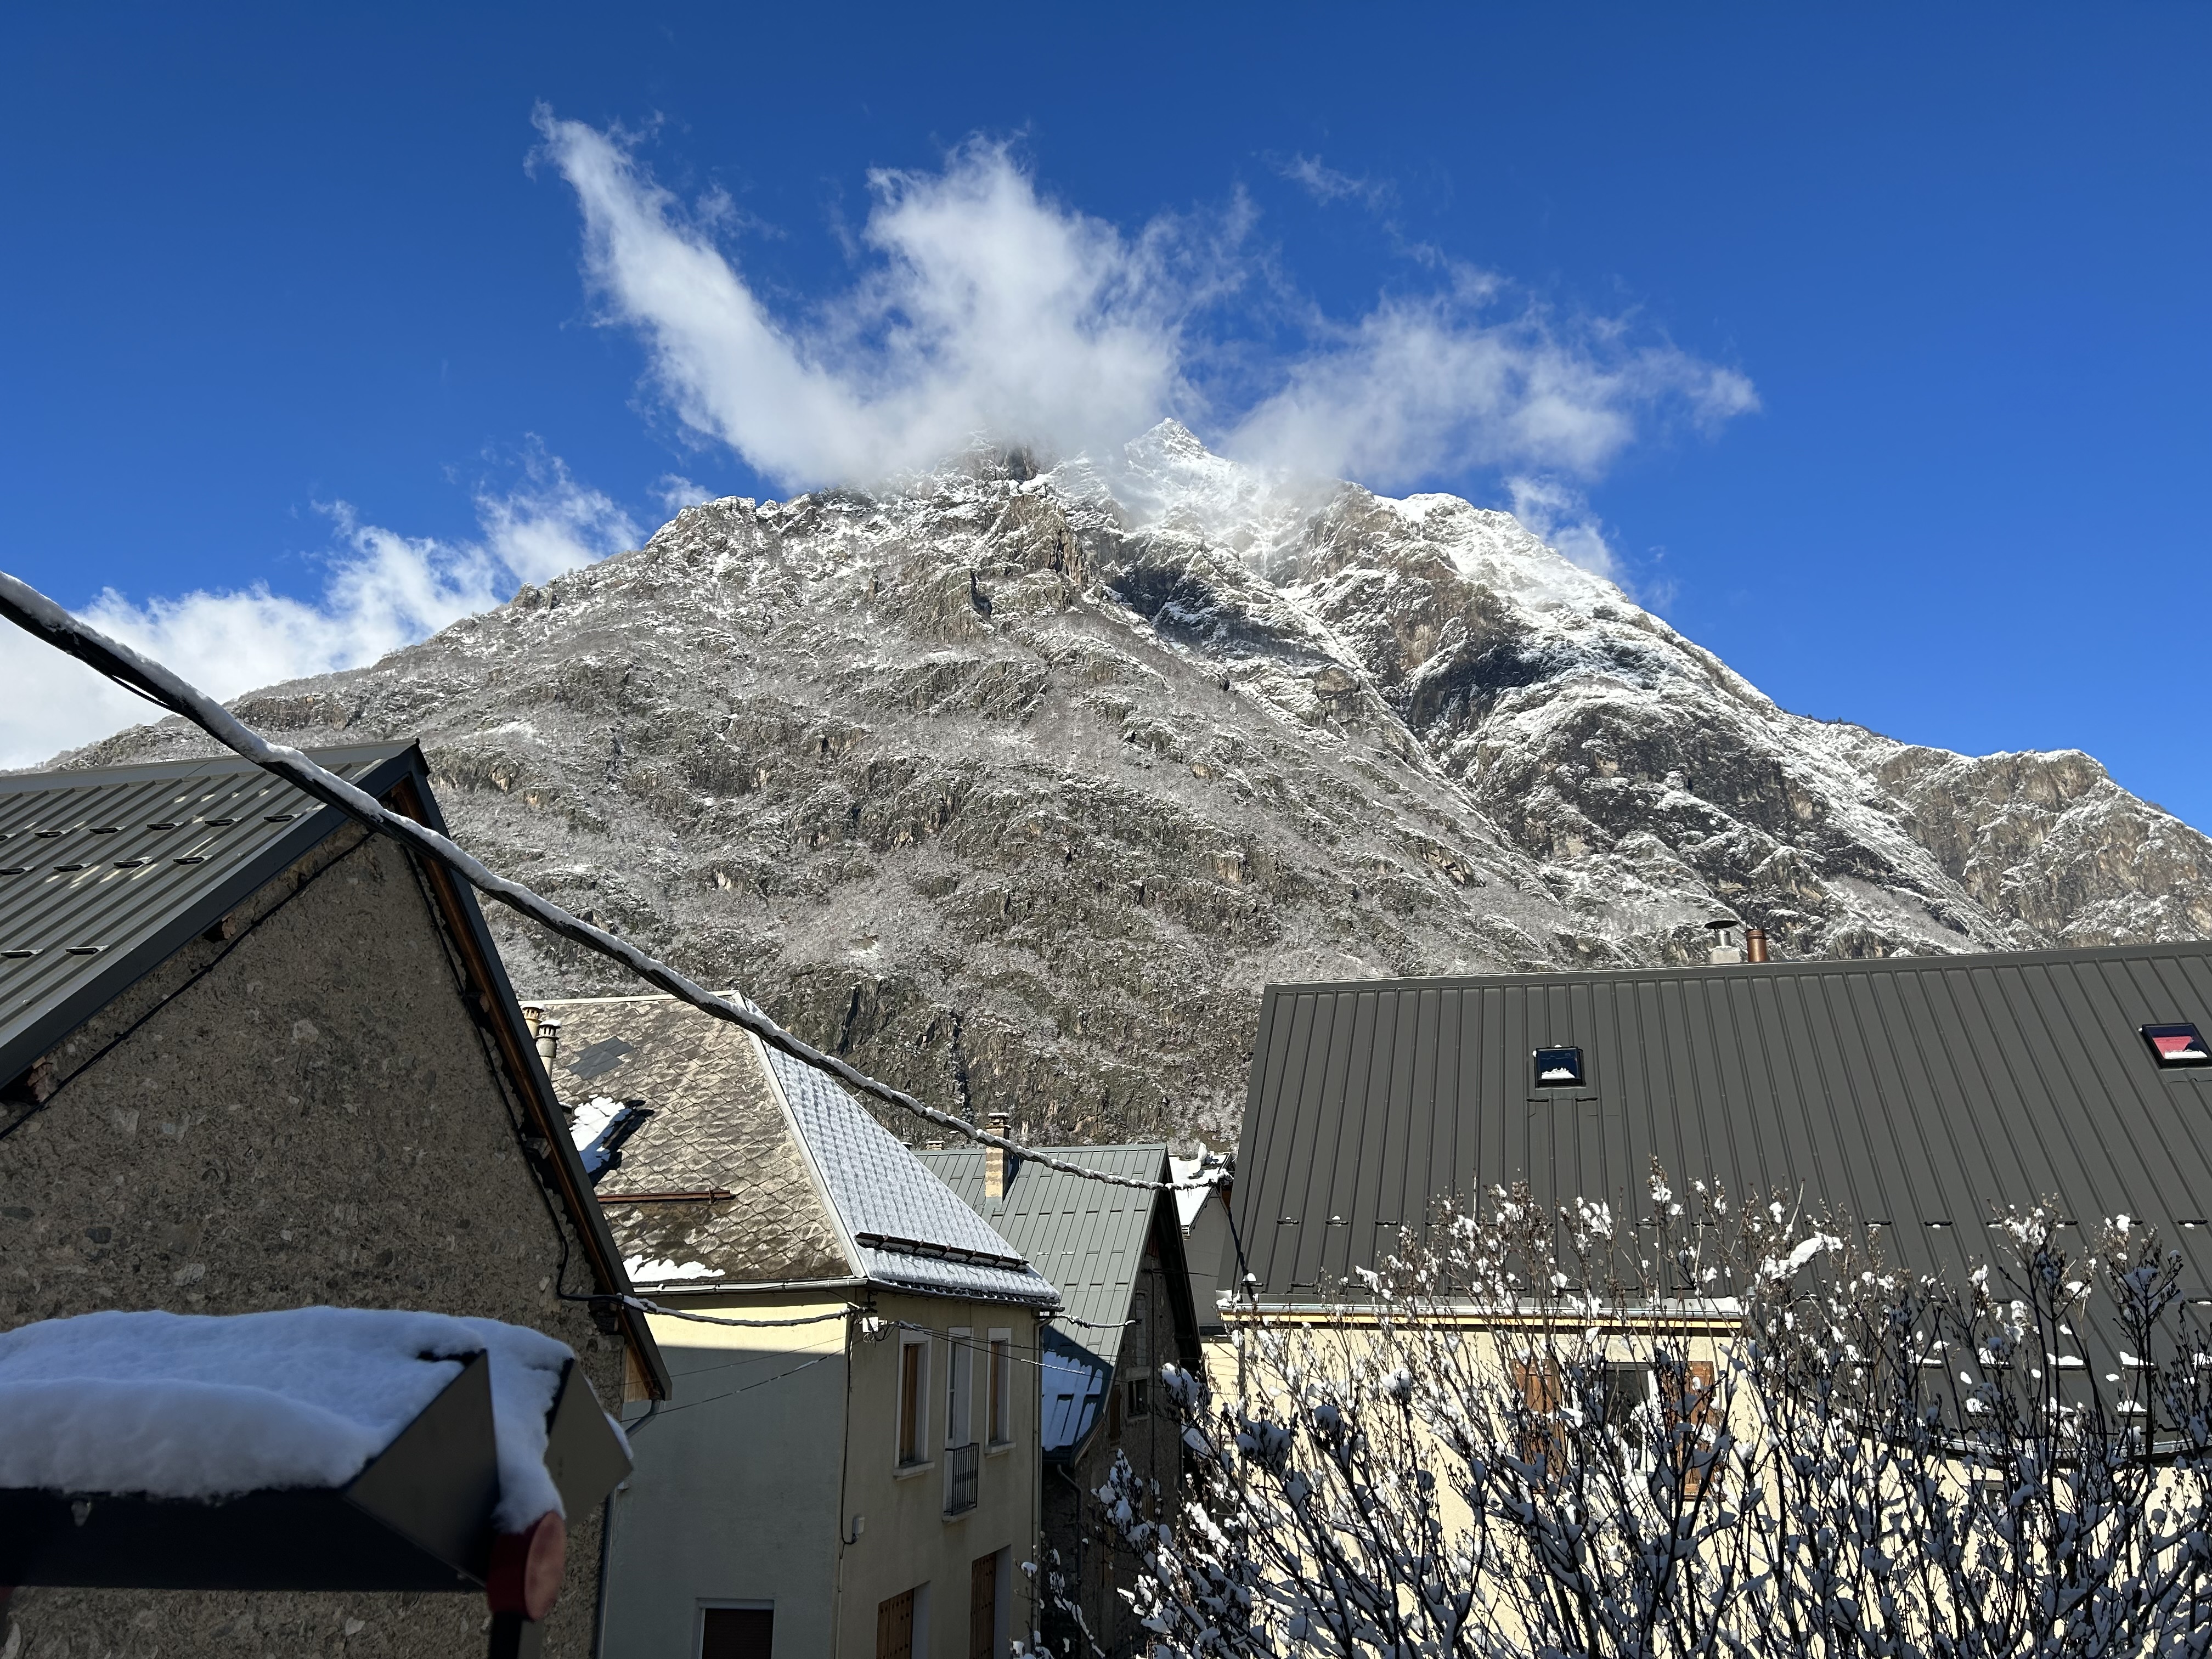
[961, 1467]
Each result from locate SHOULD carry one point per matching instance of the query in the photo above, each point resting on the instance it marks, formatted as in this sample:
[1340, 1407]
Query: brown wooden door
[895, 1627]
[737, 1633]
[983, 1606]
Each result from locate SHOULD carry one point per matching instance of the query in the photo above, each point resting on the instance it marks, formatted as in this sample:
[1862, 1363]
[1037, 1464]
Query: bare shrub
[1718, 1430]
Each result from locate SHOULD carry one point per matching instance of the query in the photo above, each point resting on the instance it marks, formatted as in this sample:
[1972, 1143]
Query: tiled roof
[817, 1188]
[716, 1128]
[105, 873]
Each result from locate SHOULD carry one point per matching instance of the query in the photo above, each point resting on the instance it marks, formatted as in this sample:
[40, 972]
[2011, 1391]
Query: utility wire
[36, 614]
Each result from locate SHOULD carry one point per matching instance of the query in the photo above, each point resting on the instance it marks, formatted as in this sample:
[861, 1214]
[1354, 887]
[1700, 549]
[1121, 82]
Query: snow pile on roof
[206, 1406]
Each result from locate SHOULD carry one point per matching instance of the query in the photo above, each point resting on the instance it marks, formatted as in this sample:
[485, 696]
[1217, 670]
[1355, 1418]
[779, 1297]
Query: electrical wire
[33, 611]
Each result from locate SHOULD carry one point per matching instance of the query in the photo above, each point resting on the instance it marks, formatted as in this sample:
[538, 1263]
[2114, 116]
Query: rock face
[1017, 787]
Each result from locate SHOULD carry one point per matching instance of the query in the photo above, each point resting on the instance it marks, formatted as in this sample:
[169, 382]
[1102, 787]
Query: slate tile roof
[816, 1189]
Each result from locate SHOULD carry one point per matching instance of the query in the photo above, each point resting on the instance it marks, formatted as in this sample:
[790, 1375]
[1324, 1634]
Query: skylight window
[2177, 1045]
[1558, 1068]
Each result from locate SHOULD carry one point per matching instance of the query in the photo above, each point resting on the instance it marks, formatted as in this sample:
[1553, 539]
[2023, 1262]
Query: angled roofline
[398, 774]
[412, 795]
[1791, 967]
[387, 763]
[808, 1158]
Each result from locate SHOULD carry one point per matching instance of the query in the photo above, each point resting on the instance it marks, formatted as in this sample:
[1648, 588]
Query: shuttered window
[913, 1391]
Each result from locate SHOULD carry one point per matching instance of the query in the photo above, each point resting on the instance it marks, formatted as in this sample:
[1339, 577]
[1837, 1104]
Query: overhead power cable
[36, 614]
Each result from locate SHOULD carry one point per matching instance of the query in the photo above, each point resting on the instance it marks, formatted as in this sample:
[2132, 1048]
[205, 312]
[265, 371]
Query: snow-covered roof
[195, 1406]
[758, 1169]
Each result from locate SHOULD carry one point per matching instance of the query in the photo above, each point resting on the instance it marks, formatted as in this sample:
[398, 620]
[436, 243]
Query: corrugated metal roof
[105, 873]
[1086, 1236]
[1089, 1237]
[1916, 1092]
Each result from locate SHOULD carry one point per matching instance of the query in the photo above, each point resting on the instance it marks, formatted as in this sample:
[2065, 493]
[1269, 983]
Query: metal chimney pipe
[1754, 944]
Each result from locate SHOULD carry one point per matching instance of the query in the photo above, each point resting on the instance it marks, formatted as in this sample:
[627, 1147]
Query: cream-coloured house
[855, 1471]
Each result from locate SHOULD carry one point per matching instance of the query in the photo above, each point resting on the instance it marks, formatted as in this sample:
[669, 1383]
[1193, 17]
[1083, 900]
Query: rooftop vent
[1725, 951]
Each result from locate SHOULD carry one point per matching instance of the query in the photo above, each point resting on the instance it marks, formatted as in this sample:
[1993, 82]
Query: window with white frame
[1001, 1418]
[913, 1398]
[959, 1406]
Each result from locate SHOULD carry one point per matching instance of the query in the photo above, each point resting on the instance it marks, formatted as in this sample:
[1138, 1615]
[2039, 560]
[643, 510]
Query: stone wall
[304, 1112]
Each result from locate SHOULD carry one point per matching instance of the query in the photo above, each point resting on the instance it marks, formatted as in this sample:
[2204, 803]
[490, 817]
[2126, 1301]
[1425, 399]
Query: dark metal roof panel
[106, 873]
[1910, 1092]
[1087, 1237]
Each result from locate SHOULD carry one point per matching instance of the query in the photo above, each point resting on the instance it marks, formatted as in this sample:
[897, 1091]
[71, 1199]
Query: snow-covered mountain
[1019, 786]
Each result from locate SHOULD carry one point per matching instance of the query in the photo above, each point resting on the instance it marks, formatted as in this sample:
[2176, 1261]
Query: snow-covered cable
[35, 613]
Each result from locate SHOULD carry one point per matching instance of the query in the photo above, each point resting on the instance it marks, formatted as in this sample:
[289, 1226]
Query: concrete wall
[311, 1115]
[734, 1500]
[909, 1540]
[749, 1497]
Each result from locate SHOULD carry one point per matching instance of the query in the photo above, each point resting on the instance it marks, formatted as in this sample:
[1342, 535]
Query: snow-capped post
[1708, 1430]
[322, 1449]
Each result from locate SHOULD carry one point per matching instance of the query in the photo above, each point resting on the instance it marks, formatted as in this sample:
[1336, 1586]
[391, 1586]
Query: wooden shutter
[1689, 1406]
[1538, 1380]
[909, 1406]
[737, 1633]
[983, 1606]
[895, 1627]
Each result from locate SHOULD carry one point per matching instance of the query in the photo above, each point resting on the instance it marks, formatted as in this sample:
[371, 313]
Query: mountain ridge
[1016, 783]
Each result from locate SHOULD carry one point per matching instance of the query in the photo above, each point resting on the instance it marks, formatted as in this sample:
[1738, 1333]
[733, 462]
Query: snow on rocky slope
[1017, 787]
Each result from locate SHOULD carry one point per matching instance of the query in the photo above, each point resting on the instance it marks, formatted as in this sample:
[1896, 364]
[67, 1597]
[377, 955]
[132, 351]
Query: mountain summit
[1017, 786]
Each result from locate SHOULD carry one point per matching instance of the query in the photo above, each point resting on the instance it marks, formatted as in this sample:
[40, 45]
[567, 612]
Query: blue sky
[1883, 330]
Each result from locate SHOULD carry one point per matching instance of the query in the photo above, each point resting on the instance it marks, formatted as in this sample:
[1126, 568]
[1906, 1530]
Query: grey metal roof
[1090, 1239]
[105, 873]
[1911, 1091]
[1086, 1236]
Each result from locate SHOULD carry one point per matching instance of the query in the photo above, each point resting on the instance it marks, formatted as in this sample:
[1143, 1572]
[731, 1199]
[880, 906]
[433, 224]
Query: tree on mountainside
[1726, 1430]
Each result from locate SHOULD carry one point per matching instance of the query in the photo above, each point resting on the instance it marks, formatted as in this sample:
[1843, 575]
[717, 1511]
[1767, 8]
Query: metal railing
[962, 1465]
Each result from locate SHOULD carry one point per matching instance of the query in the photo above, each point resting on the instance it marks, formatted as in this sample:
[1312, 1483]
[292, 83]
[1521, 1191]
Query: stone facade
[305, 1111]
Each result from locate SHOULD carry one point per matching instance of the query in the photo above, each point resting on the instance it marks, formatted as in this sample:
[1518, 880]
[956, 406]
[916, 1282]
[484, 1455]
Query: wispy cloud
[984, 309]
[381, 590]
[1559, 515]
[1325, 184]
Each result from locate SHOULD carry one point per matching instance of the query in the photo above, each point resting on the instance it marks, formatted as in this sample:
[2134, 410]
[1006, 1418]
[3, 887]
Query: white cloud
[983, 309]
[990, 313]
[1559, 515]
[383, 590]
[675, 492]
[1431, 386]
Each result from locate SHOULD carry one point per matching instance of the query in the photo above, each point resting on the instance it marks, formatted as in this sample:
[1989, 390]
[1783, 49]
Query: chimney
[1754, 944]
[995, 1158]
[548, 1033]
[1723, 952]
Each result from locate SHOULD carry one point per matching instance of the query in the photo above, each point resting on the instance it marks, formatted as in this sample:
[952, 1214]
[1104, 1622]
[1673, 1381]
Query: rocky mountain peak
[1019, 782]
